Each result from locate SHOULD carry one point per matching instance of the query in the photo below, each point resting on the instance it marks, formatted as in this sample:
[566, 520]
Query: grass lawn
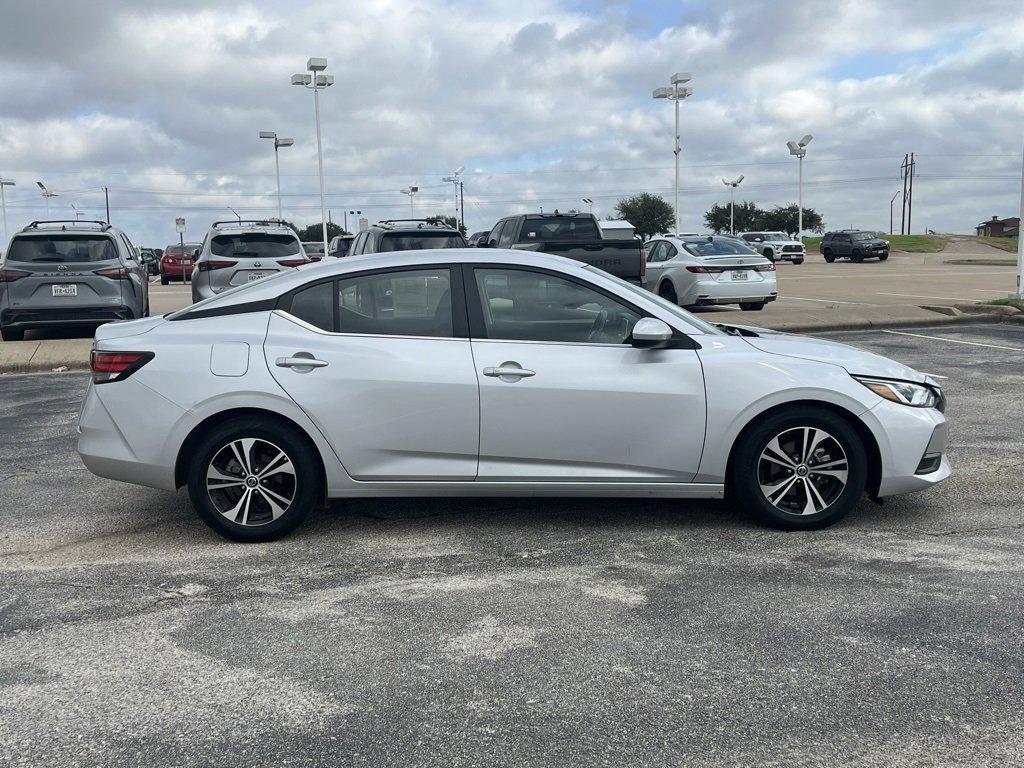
[907, 243]
[1002, 243]
[1008, 303]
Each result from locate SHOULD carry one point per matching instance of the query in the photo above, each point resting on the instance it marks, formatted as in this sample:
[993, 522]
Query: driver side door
[564, 396]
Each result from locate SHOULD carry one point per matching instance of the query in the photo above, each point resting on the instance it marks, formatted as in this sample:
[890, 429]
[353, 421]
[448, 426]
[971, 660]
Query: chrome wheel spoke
[788, 477]
[829, 465]
[276, 466]
[812, 439]
[251, 481]
[241, 507]
[241, 450]
[775, 493]
[276, 510]
[214, 475]
[838, 474]
[780, 456]
[814, 502]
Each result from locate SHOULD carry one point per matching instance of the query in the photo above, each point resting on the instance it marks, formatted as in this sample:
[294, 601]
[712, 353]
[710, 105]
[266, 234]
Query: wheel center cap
[251, 481]
[802, 470]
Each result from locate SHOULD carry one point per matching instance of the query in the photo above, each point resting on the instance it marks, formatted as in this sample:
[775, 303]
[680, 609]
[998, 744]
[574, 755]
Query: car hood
[856, 361]
[127, 328]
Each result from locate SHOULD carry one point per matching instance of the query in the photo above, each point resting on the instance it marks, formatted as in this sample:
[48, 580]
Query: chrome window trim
[309, 327]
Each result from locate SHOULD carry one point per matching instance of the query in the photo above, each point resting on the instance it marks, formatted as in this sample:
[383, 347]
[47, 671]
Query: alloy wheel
[251, 481]
[802, 471]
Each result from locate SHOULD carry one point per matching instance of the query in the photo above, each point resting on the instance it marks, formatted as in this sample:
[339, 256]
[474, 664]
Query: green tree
[746, 216]
[649, 214]
[445, 221]
[784, 219]
[314, 232]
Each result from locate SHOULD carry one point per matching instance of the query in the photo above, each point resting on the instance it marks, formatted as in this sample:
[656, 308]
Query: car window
[315, 305]
[401, 303]
[535, 306]
[670, 252]
[862, 236]
[654, 251]
[716, 247]
[545, 229]
[495, 232]
[505, 238]
[254, 245]
[62, 248]
[418, 241]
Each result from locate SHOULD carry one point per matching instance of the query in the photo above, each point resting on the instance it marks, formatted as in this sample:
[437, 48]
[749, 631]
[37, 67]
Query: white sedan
[489, 373]
[699, 270]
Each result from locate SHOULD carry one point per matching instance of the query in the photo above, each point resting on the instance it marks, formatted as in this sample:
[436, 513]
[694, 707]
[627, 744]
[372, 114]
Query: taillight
[698, 269]
[116, 366]
[206, 266]
[294, 262]
[765, 268]
[114, 273]
[168, 260]
[10, 275]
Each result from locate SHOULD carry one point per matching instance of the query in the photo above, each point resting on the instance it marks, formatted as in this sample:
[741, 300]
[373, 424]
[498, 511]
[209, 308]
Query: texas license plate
[254, 276]
[739, 274]
[65, 290]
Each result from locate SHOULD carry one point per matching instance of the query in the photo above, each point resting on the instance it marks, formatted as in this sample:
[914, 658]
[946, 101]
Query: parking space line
[922, 296]
[954, 341]
[830, 301]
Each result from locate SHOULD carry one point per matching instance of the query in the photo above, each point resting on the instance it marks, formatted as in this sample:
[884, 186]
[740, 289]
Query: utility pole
[3, 205]
[903, 209]
[910, 196]
[893, 200]
[1020, 244]
[462, 203]
[106, 197]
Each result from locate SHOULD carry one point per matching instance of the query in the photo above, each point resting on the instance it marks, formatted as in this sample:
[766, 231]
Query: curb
[868, 325]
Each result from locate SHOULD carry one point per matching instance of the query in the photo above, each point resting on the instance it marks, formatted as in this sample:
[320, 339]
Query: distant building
[996, 227]
[617, 229]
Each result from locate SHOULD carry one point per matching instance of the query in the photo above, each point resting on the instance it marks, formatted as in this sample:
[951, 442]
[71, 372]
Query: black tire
[857, 257]
[752, 306]
[747, 470]
[12, 334]
[828, 256]
[163, 280]
[667, 291]
[304, 488]
[769, 254]
[798, 261]
[883, 256]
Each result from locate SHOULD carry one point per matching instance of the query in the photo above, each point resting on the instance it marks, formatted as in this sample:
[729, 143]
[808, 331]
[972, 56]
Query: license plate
[65, 290]
[739, 274]
[252, 277]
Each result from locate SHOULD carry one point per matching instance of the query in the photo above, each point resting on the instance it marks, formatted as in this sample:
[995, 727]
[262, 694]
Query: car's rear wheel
[12, 334]
[751, 306]
[667, 291]
[163, 279]
[800, 468]
[857, 257]
[253, 481]
[828, 255]
[883, 256]
[769, 254]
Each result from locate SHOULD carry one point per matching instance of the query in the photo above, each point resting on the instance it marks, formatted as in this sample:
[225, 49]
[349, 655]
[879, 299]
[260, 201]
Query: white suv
[240, 252]
[777, 246]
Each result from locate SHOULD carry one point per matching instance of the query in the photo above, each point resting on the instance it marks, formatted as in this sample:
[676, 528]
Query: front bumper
[912, 447]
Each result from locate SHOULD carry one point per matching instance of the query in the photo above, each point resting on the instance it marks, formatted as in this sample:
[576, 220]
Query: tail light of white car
[209, 266]
[294, 262]
[116, 366]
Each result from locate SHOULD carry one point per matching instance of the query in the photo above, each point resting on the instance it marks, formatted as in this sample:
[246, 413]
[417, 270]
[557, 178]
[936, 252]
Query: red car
[177, 264]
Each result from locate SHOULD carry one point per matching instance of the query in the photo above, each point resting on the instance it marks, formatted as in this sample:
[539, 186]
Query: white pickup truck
[777, 246]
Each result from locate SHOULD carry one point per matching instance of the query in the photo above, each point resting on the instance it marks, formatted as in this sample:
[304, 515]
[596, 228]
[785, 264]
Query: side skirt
[538, 488]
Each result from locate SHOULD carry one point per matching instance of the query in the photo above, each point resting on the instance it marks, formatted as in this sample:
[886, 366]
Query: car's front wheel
[769, 254]
[798, 261]
[667, 291]
[251, 480]
[829, 257]
[883, 256]
[800, 468]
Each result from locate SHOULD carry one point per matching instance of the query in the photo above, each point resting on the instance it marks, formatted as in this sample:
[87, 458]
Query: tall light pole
[1020, 243]
[589, 201]
[676, 93]
[3, 203]
[317, 82]
[732, 200]
[455, 181]
[410, 191]
[891, 202]
[278, 143]
[354, 213]
[798, 149]
[47, 194]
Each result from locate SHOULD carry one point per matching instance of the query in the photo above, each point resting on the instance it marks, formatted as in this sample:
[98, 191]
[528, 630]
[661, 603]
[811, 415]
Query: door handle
[299, 362]
[508, 371]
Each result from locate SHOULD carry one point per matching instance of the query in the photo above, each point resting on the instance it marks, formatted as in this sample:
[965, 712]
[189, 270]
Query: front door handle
[301, 360]
[508, 371]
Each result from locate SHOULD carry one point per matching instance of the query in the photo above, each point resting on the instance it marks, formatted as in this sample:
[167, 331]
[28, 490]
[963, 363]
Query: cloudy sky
[544, 102]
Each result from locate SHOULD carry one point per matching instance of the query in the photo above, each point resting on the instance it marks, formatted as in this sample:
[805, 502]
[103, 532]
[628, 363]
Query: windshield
[863, 236]
[665, 304]
[421, 241]
[313, 247]
[63, 248]
[342, 246]
[776, 236]
[543, 230]
[254, 245]
[717, 246]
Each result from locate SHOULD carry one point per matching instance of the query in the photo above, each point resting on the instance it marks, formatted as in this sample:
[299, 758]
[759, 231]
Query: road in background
[458, 632]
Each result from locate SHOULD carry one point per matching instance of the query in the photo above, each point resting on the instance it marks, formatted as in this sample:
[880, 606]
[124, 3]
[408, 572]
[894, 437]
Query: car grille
[791, 249]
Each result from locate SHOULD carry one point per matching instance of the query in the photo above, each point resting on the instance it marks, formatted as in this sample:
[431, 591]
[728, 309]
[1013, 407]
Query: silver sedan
[497, 372]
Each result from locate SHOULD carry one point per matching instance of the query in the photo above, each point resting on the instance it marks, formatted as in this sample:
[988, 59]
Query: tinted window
[254, 245]
[654, 251]
[505, 238]
[670, 251]
[58, 249]
[175, 250]
[534, 306]
[407, 303]
[862, 236]
[315, 305]
[341, 247]
[314, 248]
[542, 230]
[418, 241]
[716, 247]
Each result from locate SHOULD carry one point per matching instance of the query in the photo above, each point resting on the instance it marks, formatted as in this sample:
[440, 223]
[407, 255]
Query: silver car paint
[690, 286]
[134, 430]
[209, 283]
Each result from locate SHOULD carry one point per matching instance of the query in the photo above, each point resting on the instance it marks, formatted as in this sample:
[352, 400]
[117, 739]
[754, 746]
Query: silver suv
[240, 252]
[70, 273]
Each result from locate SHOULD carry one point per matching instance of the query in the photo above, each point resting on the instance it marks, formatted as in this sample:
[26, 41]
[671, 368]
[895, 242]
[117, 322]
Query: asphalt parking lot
[520, 631]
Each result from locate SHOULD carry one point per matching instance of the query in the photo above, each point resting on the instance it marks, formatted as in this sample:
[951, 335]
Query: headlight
[902, 392]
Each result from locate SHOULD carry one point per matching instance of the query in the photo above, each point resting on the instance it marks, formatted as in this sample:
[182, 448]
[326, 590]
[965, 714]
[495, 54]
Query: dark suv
[854, 244]
[405, 235]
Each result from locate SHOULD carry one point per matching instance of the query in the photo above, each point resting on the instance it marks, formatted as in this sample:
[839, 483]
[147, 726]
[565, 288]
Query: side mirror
[195, 254]
[650, 333]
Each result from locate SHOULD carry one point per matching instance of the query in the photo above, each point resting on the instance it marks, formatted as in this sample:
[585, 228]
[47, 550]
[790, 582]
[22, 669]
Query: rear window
[342, 247]
[716, 247]
[63, 248]
[254, 245]
[420, 241]
[558, 228]
[175, 250]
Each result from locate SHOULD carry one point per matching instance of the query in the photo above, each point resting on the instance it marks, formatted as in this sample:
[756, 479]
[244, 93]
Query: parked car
[477, 238]
[405, 235]
[699, 270]
[340, 245]
[314, 250]
[70, 273]
[238, 252]
[777, 246]
[573, 235]
[472, 373]
[853, 244]
[177, 262]
[148, 257]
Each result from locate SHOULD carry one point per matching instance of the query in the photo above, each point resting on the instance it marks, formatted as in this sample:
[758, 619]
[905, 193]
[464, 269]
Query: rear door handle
[299, 362]
[508, 372]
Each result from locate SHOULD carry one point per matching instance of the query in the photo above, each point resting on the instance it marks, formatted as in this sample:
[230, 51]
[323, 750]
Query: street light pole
[799, 149]
[676, 93]
[1020, 242]
[454, 180]
[47, 194]
[410, 191]
[3, 203]
[732, 200]
[891, 202]
[317, 82]
[277, 164]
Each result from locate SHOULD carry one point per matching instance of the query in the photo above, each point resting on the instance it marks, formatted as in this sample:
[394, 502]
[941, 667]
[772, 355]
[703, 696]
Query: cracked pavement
[463, 632]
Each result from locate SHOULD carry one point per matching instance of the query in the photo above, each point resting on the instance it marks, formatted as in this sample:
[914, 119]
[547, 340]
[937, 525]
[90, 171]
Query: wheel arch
[200, 430]
[866, 436]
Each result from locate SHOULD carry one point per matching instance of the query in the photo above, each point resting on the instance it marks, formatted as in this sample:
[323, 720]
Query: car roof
[245, 228]
[61, 226]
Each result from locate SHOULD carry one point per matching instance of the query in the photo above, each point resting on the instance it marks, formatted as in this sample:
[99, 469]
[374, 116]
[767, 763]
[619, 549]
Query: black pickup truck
[573, 235]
